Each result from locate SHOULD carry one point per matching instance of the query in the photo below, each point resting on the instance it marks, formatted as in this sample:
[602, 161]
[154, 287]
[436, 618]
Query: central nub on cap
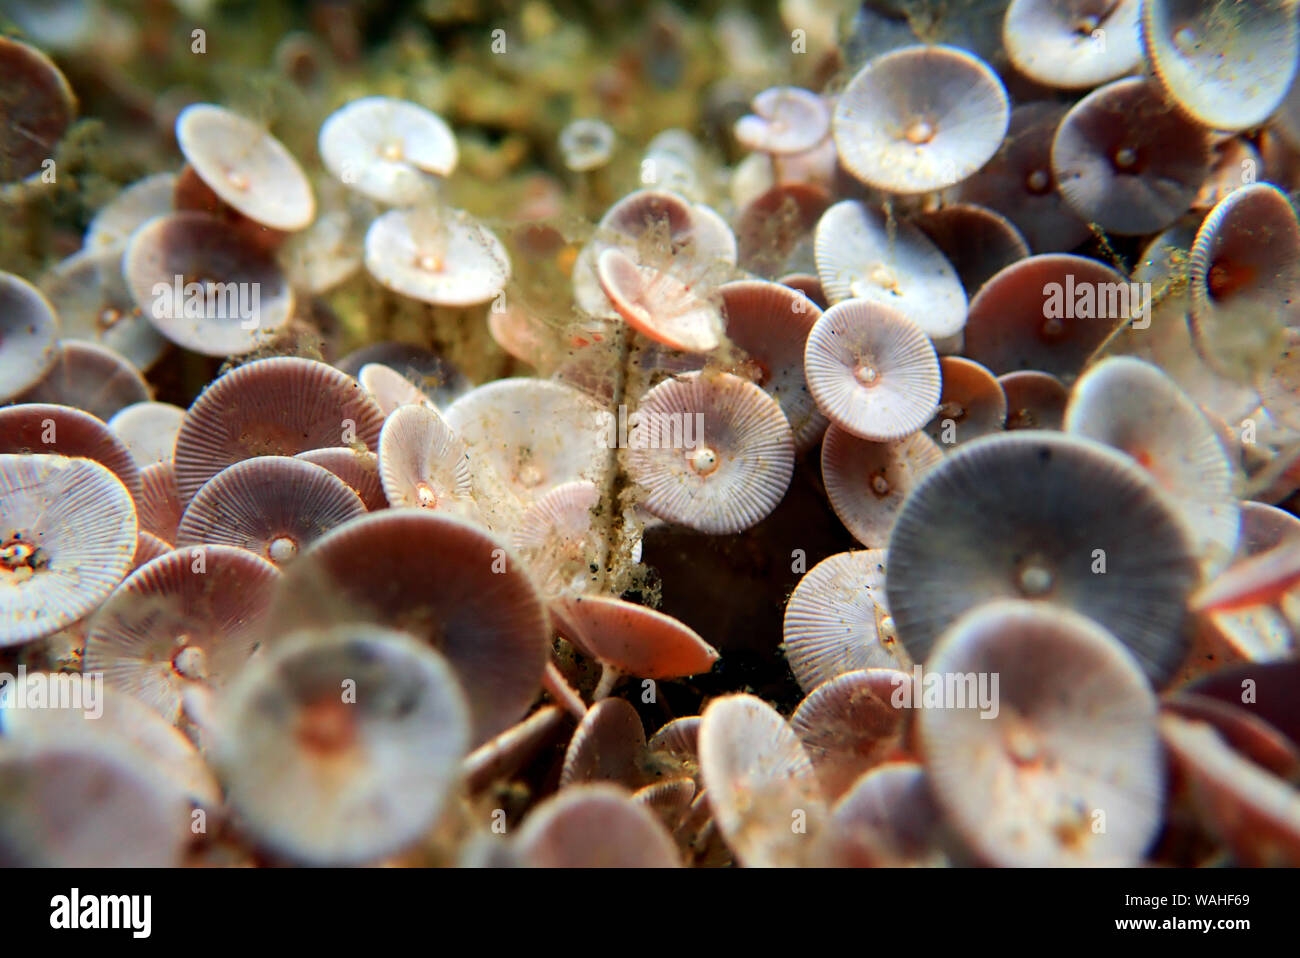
[1038, 181]
[703, 460]
[1126, 158]
[190, 661]
[425, 496]
[282, 549]
[1034, 578]
[919, 132]
[866, 374]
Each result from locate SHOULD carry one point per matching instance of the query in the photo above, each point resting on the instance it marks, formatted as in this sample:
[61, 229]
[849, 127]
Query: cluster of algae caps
[352, 450]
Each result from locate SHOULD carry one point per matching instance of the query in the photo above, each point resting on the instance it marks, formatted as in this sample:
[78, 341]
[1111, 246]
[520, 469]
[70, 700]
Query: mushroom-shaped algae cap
[188, 617]
[1072, 43]
[1244, 277]
[785, 120]
[1035, 400]
[125, 213]
[389, 388]
[1023, 774]
[71, 801]
[561, 540]
[872, 371]
[771, 323]
[971, 403]
[759, 780]
[1049, 313]
[342, 746]
[1133, 406]
[1039, 515]
[67, 536]
[383, 148]
[836, 620]
[658, 304]
[29, 331]
[92, 378]
[868, 482]
[891, 810]
[36, 108]
[439, 257]
[1225, 63]
[851, 723]
[422, 462]
[46, 428]
[535, 434]
[977, 241]
[91, 298]
[274, 506]
[271, 407]
[862, 255]
[608, 745]
[448, 583]
[1128, 163]
[711, 452]
[632, 638]
[1019, 181]
[248, 168]
[149, 430]
[919, 119]
[594, 826]
[203, 286]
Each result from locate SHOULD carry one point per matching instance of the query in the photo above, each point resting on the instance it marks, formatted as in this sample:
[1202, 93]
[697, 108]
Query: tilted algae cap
[850, 724]
[383, 148]
[452, 585]
[1072, 44]
[423, 463]
[279, 406]
[1067, 741]
[89, 377]
[1124, 160]
[920, 118]
[203, 286]
[1059, 519]
[29, 332]
[759, 780]
[631, 637]
[36, 107]
[594, 826]
[863, 254]
[736, 467]
[68, 532]
[1136, 408]
[245, 166]
[872, 370]
[322, 776]
[188, 617]
[771, 323]
[273, 506]
[836, 620]
[1225, 64]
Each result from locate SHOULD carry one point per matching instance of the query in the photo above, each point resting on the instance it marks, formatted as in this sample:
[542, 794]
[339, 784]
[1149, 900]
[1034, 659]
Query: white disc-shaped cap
[246, 166]
[862, 255]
